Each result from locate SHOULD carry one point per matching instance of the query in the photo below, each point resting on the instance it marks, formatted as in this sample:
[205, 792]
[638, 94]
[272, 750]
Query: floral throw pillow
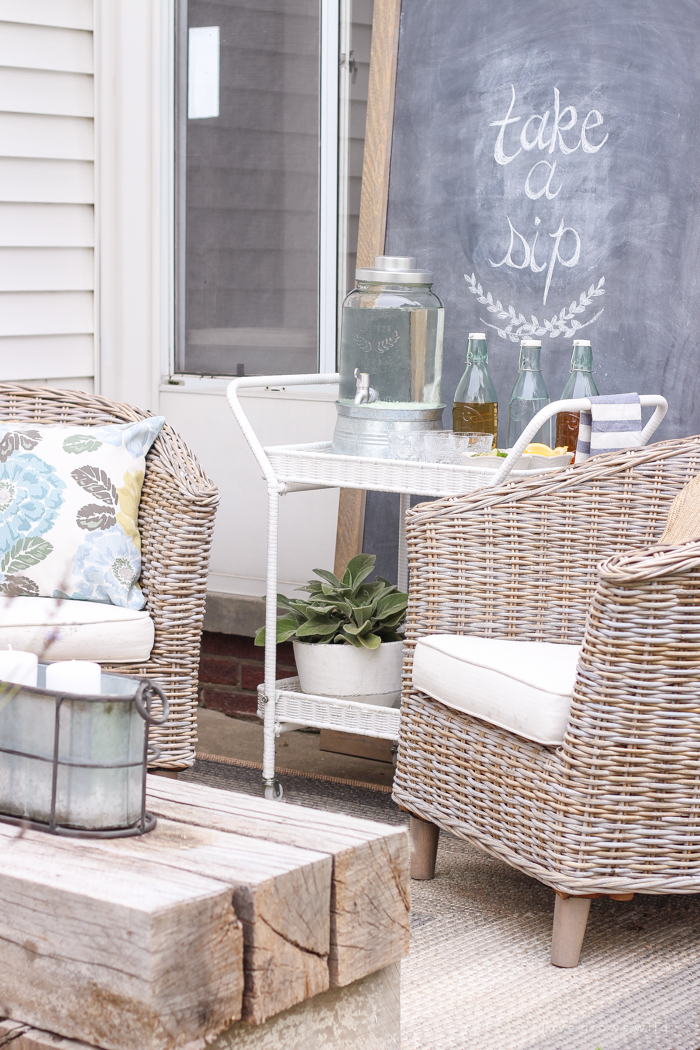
[69, 505]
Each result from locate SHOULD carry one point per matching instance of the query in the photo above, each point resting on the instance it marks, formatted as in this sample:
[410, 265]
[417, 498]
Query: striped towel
[616, 424]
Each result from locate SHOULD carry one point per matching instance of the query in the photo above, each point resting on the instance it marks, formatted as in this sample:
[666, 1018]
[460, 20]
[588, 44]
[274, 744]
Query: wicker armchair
[616, 809]
[176, 521]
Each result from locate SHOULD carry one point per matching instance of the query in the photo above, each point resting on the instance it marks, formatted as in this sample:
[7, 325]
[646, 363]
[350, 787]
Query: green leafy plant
[346, 612]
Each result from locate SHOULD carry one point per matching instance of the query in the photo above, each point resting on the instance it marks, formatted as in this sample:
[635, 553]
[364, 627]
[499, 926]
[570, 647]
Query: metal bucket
[74, 764]
[363, 430]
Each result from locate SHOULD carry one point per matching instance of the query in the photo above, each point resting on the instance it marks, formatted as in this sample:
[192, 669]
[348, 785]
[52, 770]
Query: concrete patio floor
[299, 750]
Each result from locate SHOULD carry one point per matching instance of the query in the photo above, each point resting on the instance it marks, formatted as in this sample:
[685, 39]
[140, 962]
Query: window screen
[249, 74]
[251, 200]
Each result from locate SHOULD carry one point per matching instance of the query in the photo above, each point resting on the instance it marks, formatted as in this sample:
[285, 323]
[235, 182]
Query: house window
[271, 113]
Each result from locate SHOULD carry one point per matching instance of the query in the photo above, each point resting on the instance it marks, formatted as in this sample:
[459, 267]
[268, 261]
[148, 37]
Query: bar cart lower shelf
[298, 468]
[294, 710]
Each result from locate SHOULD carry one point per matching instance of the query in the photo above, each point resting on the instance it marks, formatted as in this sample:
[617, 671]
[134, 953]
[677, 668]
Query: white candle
[74, 676]
[18, 667]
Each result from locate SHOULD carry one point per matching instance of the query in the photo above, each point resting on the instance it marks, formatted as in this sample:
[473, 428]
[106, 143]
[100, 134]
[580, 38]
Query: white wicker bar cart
[296, 468]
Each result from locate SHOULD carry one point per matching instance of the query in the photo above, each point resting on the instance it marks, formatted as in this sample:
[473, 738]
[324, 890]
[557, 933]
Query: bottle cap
[582, 356]
[530, 342]
[477, 335]
[394, 269]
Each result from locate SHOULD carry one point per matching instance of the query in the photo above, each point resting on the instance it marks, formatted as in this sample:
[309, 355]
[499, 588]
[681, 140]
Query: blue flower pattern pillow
[69, 499]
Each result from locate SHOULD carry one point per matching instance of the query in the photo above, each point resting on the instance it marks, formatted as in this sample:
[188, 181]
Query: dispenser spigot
[365, 393]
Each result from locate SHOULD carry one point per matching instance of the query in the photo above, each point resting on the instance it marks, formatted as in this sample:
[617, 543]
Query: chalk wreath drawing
[520, 328]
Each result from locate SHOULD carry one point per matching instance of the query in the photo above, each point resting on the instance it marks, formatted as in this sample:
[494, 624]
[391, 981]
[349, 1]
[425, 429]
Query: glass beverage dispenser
[390, 357]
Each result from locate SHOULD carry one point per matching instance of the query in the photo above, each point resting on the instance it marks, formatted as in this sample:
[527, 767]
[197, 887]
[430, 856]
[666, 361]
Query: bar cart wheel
[273, 790]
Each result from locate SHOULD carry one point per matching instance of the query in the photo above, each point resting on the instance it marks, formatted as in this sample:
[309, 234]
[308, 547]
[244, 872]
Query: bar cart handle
[259, 383]
[573, 405]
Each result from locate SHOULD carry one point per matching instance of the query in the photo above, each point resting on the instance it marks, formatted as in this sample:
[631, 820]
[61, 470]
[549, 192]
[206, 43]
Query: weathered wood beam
[370, 896]
[281, 894]
[24, 1037]
[129, 955]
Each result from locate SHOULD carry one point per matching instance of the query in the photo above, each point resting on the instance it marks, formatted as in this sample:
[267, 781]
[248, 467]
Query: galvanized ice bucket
[76, 765]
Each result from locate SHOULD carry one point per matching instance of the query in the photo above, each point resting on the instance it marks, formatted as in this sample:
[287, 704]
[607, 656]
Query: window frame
[329, 36]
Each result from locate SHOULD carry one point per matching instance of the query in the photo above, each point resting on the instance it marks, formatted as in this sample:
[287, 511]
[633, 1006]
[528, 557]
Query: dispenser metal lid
[394, 269]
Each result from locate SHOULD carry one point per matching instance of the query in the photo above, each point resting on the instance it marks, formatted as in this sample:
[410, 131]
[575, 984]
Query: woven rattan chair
[616, 809]
[176, 521]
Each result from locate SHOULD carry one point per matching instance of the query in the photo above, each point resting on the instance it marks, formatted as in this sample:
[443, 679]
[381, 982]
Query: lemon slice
[538, 449]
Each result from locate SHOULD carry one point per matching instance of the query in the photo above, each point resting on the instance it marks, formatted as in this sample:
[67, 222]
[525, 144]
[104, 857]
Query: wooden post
[372, 222]
[351, 527]
[570, 918]
[424, 844]
[378, 130]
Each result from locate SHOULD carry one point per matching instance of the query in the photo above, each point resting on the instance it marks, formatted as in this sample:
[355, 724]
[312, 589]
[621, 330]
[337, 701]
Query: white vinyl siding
[42, 47]
[46, 269]
[47, 235]
[36, 91]
[46, 181]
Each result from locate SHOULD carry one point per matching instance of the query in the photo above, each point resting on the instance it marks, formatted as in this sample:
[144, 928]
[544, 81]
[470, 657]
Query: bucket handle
[144, 696]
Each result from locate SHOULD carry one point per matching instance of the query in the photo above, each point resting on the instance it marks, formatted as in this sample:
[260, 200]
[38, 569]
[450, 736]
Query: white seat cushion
[83, 630]
[524, 687]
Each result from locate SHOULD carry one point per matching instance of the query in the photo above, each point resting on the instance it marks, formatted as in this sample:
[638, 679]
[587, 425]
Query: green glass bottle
[475, 405]
[529, 395]
[579, 384]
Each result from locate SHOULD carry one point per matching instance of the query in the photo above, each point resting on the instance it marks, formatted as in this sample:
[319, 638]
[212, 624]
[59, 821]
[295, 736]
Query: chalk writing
[561, 134]
[535, 195]
[529, 253]
[556, 139]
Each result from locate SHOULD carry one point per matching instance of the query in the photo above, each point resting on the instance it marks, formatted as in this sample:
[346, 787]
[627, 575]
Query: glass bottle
[579, 384]
[529, 395]
[475, 406]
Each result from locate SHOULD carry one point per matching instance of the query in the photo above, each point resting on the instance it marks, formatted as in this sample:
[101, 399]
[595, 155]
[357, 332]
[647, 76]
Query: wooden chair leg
[570, 918]
[424, 844]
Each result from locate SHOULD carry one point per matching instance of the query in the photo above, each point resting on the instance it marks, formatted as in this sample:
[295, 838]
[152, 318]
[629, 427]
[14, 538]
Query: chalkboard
[545, 165]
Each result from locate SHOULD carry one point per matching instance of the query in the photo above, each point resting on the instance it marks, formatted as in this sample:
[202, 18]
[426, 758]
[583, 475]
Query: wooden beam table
[233, 911]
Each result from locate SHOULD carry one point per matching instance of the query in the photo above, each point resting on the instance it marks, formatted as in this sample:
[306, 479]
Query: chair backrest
[173, 483]
[519, 561]
[29, 404]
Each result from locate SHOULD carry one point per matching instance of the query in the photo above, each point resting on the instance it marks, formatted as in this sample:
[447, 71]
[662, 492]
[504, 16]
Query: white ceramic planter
[370, 676]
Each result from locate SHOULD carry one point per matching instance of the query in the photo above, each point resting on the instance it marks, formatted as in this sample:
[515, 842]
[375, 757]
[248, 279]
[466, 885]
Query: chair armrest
[171, 455]
[176, 522]
[631, 753]
[520, 560]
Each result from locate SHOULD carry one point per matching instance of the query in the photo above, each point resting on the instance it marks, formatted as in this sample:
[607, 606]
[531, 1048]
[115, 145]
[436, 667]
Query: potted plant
[346, 634]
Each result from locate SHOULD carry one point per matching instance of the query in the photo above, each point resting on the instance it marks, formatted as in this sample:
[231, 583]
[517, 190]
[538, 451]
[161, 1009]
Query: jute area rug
[478, 975]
